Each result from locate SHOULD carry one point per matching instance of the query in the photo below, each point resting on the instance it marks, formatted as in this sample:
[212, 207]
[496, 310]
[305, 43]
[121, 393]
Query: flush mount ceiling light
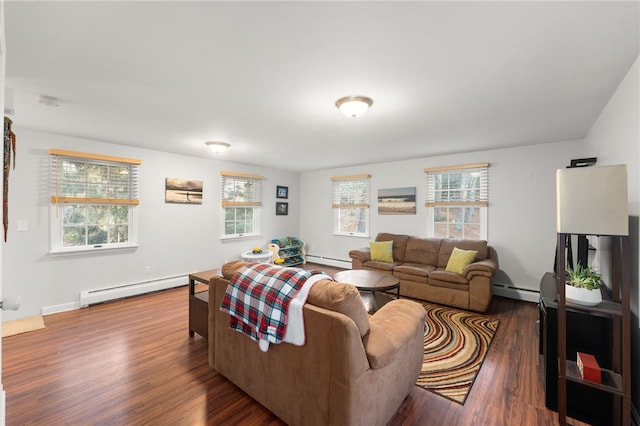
[217, 147]
[354, 106]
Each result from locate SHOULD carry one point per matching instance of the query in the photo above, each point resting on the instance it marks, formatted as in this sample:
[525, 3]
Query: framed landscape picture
[282, 191]
[397, 200]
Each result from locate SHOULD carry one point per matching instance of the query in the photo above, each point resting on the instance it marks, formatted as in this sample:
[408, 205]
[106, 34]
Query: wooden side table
[199, 303]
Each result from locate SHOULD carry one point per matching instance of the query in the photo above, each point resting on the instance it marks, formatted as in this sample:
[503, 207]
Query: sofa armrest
[480, 276]
[359, 256]
[486, 268]
[391, 329]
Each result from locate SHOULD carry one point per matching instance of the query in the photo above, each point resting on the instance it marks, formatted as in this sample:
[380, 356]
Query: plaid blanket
[258, 298]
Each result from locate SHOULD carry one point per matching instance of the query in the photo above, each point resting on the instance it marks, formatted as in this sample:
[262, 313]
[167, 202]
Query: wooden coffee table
[370, 284]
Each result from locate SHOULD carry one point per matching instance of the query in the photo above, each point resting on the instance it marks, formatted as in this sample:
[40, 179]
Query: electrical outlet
[147, 270]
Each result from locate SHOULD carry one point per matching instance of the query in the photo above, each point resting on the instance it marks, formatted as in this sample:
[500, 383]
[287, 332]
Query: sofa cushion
[379, 266]
[413, 272]
[448, 280]
[343, 298]
[414, 269]
[381, 251]
[399, 244]
[422, 250]
[447, 246]
[460, 259]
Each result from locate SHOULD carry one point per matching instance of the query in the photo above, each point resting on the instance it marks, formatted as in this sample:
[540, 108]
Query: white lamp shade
[592, 200]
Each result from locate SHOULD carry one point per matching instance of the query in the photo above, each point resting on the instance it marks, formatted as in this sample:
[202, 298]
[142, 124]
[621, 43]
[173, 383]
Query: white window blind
[461, 185]
[93, 201]
[351, 205]
[240, 190]
[457, 199]
[78, 177]
[351, 191]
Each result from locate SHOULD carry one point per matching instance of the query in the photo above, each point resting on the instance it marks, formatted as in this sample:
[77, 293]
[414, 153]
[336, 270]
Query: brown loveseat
[352, 370]
[419, 264]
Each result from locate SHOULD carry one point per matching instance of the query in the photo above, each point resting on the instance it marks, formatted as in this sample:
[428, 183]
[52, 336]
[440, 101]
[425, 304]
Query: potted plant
[582, 286]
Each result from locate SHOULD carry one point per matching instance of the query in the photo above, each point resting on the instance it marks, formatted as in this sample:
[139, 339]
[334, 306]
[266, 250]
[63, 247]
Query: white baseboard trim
[56, 309]
[329, 261]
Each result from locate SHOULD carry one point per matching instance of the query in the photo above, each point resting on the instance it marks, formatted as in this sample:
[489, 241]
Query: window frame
[238, 201]
[360, 204]
[57, 201]
[479, 200]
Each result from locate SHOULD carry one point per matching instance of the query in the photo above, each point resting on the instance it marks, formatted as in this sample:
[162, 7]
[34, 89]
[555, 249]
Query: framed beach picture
[282, 209]
[182, 191]
[397, 200]
[282, 191]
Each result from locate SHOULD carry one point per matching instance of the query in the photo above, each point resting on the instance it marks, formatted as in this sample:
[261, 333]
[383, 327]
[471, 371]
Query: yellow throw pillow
[382, 251]
[460, 259]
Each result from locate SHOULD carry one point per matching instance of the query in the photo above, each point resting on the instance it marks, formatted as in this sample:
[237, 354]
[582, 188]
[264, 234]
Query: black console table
[587, 333]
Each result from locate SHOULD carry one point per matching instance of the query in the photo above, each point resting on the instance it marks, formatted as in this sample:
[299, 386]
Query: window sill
[350, 234]
[239, 237]
[95, 249]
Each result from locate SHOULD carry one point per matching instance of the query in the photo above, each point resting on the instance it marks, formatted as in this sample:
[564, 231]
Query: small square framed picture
[282, 191]
[282, 209]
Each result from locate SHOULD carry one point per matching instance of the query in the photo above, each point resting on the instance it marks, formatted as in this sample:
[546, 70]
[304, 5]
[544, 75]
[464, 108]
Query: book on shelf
[589, 368]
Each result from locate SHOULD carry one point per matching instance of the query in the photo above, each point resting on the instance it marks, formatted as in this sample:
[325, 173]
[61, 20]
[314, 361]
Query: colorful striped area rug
[455, 345]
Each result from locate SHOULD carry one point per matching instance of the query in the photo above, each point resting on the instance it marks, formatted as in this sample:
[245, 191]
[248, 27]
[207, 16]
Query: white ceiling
[445, 77]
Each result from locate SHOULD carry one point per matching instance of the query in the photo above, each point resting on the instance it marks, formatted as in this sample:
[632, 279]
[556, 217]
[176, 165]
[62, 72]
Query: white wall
[174, 239]
[522, 203]
[615, 139]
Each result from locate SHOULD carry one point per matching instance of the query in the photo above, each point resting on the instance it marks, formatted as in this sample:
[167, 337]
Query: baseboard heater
[329, 261]
[91, 297]
[511, 292]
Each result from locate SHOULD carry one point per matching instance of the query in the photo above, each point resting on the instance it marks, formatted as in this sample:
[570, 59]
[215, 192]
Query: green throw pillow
[382, 251]
[460, 259]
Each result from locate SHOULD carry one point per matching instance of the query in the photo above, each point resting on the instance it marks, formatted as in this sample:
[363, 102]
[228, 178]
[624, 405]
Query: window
[351, 205]
[241, 199]
[93, 201]
[457, 200]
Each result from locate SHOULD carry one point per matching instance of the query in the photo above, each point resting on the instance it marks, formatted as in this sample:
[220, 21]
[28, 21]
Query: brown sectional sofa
[419, 264]
[352, 370]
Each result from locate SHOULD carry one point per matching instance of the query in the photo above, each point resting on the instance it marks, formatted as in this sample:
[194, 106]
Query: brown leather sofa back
[423, 251]
[447, 246]
[399, 244]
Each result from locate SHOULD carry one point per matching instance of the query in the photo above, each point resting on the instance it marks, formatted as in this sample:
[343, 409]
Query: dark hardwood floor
[132, 362]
